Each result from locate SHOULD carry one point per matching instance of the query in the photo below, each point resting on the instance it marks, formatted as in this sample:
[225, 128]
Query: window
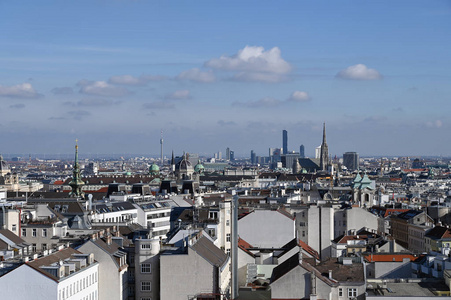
[145, 268]
[145, 246]
[34, 232]
[340, 292]
[227, 222]
[14, 227]
[228, 251]
[145, 286]
[24, 232]
[213, 215]
[228, 238]
[352, 293]
[44, 247]
[303, 233]
[33, 247]
[44, 232]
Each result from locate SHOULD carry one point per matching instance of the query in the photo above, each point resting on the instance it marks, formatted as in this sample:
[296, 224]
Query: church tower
[324, 158]
[76, 182]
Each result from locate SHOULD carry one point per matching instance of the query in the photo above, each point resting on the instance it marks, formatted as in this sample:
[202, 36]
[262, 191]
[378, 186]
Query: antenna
[161, 145]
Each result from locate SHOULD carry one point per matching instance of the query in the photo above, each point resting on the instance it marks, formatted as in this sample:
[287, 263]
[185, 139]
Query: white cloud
[101, 88]
[359, 72]
[197, 75]
[24, 90]
[132, 80]
[178, 95]
[252, 59]
[299, 96]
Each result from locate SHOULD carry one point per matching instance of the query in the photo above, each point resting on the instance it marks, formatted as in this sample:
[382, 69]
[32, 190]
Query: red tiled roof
[245, 246]
[414, 170]
[389, 257]
[309, 250]
[346, 238]
[58, 182]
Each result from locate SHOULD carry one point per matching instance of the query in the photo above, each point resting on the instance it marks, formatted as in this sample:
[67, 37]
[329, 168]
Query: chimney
[109, 239]
[330, 274]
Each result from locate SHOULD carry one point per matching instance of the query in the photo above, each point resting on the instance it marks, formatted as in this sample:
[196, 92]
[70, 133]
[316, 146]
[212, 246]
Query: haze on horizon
[225, 74]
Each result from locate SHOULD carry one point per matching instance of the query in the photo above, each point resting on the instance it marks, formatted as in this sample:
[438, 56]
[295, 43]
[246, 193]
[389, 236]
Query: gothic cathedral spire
[324, 159]
[76, 182]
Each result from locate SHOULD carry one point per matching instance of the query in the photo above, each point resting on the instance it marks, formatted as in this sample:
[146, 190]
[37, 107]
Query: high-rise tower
[76, 182]
[284, 142]
[302, 151]
[324, 158]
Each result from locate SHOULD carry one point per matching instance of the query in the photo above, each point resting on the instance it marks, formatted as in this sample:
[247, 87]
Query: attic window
[145, 246]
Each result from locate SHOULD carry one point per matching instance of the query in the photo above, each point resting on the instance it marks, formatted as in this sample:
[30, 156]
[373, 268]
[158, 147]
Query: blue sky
[214, 74]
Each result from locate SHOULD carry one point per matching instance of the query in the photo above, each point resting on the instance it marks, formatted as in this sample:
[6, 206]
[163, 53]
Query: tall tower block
[284, 142]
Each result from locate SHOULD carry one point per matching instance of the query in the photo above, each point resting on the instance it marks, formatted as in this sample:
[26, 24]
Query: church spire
[324, 159]
[76, 182]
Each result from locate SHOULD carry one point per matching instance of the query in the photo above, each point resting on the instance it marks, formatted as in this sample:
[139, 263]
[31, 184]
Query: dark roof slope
[205, 248]
[11, 236]
[439, 232]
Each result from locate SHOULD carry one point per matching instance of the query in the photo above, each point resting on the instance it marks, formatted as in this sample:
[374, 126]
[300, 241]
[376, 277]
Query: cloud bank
[359, 72]
[24, 90]
[254, 64]
[101, 88]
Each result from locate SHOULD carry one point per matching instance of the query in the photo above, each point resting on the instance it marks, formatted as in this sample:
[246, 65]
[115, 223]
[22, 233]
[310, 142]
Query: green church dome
[154, 169]
[199, 168]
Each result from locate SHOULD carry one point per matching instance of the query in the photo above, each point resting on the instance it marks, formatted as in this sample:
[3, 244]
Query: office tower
[274, 155]
[232, 155]
[302, 151]
[351, 160]
[228, 153]
[253, 160]
[324, 159]
[285, 142]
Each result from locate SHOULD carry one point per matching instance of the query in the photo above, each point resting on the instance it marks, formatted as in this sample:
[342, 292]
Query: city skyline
[115, 73]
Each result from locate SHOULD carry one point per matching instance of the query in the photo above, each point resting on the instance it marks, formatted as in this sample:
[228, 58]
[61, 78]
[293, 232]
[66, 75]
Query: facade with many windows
[64, 275]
